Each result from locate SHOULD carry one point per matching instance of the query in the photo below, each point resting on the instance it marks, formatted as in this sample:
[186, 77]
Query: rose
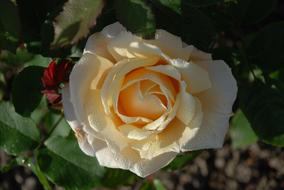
[135, 104]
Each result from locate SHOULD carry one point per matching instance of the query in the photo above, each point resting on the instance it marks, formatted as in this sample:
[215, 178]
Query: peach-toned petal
[74, 124]
[168, 70]
[196, 78]
[173, 138]
[130, 160]
[118, 47]
[222, 95]
[134, 103]
[113, 30]
[198, 55]
[115, 76]
[97, 44]
[217, 107]
[102, 123]
[186, 110]
[170, 44]
[133, 132]
[87, 71]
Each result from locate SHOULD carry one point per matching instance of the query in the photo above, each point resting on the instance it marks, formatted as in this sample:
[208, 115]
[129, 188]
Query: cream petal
[86, 147]
[167, 70]
[198, 55]
[113, 30]
[221, 96]
[130, 160]
[88, 71]
[162, 122]
[173, 138]
[196, 78]
[126, 45]
[68, 109]
[187, 108]
[135, 104]
[170, 44]
[102, 123]
[97, 44]
[74, 124]
[217, 107]
[119, 46]
[115, 76]
[211, 133]
[135, 133]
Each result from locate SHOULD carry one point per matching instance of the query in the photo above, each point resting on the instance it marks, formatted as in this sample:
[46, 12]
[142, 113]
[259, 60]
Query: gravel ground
[258, 167]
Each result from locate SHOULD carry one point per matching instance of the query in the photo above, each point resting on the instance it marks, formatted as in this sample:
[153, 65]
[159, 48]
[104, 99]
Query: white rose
[135, 104]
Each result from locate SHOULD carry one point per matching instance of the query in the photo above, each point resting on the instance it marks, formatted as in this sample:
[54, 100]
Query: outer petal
[82, 137]
[170, 45]
[86, 74]
[97, 44]
[196, 78]
[104, 124]
[217, 107]
[113, 30]
[130, 160]
[187, 108]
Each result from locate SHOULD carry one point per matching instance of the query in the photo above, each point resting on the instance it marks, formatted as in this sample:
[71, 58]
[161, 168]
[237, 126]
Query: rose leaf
[17, 133]
[65, 165]
[26, 90]
[241, 132]
[75, 20]
[136, 16]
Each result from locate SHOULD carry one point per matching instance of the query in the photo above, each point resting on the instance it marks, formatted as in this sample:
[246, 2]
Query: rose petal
[133, 132]
[187, 108]
[168, 70]
[115, 76]
[198, 55]
[87, 71]
[74, 124]
[97, 44]
[102, 123]
[170, 44]
[217, 107]
[130, 160]
[196, 78]
[113, 30]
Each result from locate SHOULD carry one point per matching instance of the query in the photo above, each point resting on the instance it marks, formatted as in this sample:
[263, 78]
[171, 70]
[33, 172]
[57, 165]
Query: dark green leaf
[241, 132]
[17, 134]
[136, 16]
[75, 20]
[264, 108]
[65, 165]
[174, 5]
[115, 177]
[253, 11]
[9, 17]
[26, 92]
[266, 49]
[181, 160]
[201, 3]
[197, 28]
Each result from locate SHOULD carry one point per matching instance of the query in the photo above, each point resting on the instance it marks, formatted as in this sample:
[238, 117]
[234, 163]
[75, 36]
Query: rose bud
[53, 77]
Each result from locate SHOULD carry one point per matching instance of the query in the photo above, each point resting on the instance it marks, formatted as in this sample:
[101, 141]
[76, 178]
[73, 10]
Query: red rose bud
[52, 96]
[54, 75]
